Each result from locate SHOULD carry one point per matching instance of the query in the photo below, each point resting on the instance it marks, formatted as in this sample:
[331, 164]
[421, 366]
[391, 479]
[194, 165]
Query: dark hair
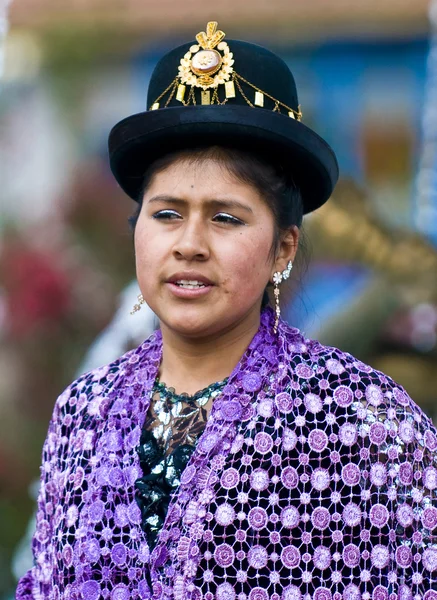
[273, 183]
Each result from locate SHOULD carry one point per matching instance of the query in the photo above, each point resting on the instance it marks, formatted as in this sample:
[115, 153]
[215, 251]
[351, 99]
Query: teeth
[190, 285]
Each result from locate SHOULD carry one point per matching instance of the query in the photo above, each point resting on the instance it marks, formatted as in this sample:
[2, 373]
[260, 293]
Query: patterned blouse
[173, 424]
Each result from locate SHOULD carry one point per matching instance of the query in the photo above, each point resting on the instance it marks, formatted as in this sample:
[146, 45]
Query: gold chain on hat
[208, 64]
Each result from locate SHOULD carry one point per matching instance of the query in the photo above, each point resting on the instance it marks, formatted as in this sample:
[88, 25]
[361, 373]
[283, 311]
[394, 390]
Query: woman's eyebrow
[214, 202]
[166, 198]
[229, 204]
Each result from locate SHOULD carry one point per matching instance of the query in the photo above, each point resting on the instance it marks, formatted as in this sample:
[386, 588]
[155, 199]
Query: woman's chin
[193, 323]
[192, 328]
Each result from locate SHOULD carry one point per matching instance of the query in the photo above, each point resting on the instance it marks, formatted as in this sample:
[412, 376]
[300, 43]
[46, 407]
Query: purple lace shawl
[315, 479]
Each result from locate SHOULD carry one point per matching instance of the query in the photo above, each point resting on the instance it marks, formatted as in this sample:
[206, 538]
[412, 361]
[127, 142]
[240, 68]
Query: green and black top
[172, 427]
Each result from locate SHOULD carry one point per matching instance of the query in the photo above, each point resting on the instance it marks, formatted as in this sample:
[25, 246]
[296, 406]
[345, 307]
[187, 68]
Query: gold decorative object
[203, 66]
[230, 89]
[181, 92]
[259, 99]
[206, 97]
[207, 65]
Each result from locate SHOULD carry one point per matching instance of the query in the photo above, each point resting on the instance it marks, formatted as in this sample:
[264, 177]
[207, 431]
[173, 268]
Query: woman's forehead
[197, 167]
[205, 179]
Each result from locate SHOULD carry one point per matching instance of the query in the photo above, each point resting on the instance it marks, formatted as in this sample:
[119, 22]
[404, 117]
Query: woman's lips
[188, 292]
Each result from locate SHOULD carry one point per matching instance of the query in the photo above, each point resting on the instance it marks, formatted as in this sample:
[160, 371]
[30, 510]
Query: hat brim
[138, 140]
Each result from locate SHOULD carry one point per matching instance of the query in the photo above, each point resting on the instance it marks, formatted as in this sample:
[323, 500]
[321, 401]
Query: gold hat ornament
[207, 65]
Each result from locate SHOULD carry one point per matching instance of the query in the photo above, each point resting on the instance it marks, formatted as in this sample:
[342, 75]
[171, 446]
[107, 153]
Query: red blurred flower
[36, 288]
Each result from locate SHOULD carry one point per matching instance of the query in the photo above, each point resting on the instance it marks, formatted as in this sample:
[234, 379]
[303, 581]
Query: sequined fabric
[172, 427]
[315, 479]
[177, 419]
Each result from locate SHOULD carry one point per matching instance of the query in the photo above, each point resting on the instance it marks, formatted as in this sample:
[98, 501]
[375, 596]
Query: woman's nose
[192, 242]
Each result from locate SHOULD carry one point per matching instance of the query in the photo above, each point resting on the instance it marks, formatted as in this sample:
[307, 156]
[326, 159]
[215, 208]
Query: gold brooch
[203, 66]
[208, 64]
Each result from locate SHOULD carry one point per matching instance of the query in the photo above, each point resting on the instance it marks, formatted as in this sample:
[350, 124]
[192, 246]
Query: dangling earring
[137, 307]
[278, 278]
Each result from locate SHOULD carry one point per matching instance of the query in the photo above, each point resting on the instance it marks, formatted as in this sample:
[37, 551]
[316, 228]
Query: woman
[297, 472]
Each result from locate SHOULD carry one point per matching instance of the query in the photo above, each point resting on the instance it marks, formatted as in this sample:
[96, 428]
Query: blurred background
[366, 72]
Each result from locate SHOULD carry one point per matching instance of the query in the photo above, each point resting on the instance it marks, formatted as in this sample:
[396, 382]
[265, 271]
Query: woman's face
[203, 248]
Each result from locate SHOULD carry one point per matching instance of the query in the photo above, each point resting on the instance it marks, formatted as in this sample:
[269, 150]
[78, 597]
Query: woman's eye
[166, 214]
[225, 218]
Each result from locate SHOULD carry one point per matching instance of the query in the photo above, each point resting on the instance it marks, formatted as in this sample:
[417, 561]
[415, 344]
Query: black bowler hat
[223, 93]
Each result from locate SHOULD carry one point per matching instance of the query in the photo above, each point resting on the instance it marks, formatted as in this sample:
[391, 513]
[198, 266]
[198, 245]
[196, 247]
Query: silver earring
[278, 278]
[137, 307]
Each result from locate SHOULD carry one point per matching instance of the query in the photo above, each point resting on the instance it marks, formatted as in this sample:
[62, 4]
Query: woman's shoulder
[91, 391]
[346, 382]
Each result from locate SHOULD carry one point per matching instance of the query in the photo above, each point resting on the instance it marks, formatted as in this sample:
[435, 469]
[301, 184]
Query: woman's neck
[189, 365]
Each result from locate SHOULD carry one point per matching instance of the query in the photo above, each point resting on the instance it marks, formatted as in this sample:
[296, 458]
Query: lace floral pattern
[315, 479]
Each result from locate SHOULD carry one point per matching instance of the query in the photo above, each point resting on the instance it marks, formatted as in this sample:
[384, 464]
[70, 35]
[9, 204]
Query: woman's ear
[287, 248]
